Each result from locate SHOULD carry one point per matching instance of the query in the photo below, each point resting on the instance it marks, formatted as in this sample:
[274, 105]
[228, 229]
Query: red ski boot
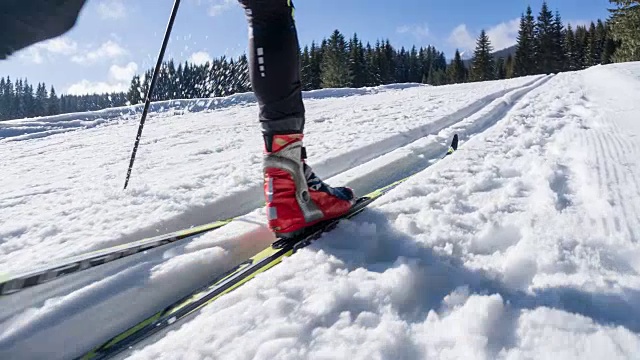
[296, 197]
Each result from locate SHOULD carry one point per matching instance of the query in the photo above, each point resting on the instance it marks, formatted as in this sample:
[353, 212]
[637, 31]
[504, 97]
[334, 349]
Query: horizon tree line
[544, 45]
[19, 99]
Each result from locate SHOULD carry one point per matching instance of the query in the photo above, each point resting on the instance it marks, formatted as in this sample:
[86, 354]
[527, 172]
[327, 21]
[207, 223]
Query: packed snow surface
[521, 245]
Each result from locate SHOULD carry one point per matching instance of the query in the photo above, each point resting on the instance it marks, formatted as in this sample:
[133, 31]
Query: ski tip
[454, 145]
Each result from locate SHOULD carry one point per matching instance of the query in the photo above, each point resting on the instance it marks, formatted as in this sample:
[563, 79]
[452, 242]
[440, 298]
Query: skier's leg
[295, 196]
[274, 65]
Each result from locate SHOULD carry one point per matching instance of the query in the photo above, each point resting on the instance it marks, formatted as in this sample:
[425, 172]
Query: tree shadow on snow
[370, 241]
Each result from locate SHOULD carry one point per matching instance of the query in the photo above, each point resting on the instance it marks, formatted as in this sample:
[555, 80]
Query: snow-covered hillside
[521, 245]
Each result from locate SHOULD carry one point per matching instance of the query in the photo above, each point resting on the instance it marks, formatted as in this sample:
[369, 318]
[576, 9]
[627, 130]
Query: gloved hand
[26, 22]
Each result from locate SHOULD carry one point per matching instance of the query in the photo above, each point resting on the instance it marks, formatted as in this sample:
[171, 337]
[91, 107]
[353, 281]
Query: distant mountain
[511, 50]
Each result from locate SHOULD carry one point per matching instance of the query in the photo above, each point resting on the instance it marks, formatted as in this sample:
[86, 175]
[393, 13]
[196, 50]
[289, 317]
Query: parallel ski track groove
[603, 173]
[610, 153]
[629, 210]
[608, 148]
[496, 113]
[368, 153]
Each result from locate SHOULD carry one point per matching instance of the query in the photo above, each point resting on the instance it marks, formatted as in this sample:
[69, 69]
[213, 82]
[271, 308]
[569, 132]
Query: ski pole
[147, 102]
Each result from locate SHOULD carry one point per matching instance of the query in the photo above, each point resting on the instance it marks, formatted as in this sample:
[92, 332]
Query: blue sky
[116, 38]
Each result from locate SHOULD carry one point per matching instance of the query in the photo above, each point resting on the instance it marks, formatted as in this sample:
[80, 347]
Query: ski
[234, 278]
[12, 283]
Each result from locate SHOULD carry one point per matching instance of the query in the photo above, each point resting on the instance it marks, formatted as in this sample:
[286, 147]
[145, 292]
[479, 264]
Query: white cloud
[108, 50]
[46, 50]
[461, 38]
[502, 36]
[123, 73]
[119, 79]
[418, 31]
[32, 55]
[60, 45]
[220, 6]
[112, 9]
[89, 87]
[200, 58]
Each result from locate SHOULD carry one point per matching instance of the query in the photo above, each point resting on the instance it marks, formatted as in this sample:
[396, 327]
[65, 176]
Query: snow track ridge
[423, 152]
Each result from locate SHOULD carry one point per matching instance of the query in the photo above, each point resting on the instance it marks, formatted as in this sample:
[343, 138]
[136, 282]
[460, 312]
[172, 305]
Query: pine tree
[544, 41]
[243, 83]
[305, 69]
[134, 96]
[390, 60]
[8, 101]
[426, 59]
[525, 47]
[28, 100]
[482, 65]
[18, 100]
[379, 64]
[439, 60]
[456, 70]
[560, 59]
[173, 91]
[591, 55]
[415, 72]
[582, 42]
[4, 115]
[441, 77]
[373, 71]
[501, 70]
[315, 65]
[431, 76]
[180, 85]
[357, 64]
[191, 85]
[601, 39]
[335, 62]
[609, 47]
[41, 100]
[509, 67]
[185, 90]
[53, 103]
[625, 22]
[402, 66]
[571, 51]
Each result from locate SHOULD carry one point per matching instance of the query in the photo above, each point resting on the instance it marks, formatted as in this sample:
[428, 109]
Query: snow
[523, 244]
[64, 196]
[33, 128]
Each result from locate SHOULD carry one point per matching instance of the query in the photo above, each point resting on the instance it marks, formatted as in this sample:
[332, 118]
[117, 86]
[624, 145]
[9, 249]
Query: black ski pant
[274, 65]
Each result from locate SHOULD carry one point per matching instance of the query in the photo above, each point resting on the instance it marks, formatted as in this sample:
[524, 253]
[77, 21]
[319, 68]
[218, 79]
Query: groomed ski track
[220, 166]
[398, 156]
[488, 255]
[252, 197]
[442, 198]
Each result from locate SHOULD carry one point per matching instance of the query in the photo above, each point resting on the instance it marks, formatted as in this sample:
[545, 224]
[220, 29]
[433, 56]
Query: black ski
[11, 283]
